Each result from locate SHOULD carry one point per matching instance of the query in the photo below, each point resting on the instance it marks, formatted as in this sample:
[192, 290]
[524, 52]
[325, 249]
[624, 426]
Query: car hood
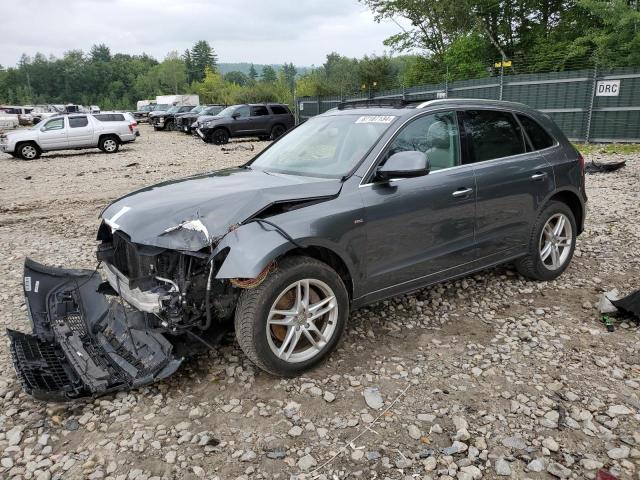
[158, 113]
[195, 212]
[25, 134]
[208, 118]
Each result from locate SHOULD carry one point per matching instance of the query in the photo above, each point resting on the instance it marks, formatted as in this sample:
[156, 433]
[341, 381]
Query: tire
[169, 125]
[109, 144]
[277, 131]
[261, 340]
[28, 151]
[158, 129]
[264, 138]
[550, 252]
[219, 136]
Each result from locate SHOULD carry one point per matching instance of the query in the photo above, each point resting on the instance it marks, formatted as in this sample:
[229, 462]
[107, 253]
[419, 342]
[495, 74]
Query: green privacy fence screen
[595, 104]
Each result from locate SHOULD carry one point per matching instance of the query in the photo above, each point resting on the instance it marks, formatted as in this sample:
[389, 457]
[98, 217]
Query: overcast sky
[258, 31]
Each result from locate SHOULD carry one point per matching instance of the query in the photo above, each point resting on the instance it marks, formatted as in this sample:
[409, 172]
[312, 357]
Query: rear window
[109, 117]
[494, 134]
[279, 109]
[539, 137]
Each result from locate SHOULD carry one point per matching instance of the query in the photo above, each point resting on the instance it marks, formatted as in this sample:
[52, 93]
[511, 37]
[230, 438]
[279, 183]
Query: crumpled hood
[208, 118]
[191, 213]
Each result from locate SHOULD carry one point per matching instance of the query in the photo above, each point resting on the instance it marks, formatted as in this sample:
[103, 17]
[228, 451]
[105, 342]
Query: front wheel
[294, 319]
[551, 245]
[28, 151]
[109, 144]
[219, 136]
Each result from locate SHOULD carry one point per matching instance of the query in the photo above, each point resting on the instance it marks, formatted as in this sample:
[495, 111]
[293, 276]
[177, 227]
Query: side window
[55, 124]
[278, 110]
[75, 122]
[242, 111]
[259, 111]
[435, 135]
[539, 137]
[493, 134]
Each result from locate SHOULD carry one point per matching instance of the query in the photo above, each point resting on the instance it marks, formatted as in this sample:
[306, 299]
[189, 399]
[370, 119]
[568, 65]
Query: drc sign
[608, 88]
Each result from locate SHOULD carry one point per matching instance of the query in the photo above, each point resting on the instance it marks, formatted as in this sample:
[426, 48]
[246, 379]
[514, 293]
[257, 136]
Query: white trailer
[193, 100]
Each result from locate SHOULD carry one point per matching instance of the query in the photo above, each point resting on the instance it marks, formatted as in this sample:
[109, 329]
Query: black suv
[184, 121]
[265, 121]
[165, 120]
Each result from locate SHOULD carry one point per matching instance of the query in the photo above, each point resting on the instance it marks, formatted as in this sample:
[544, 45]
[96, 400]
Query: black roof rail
[373, 102]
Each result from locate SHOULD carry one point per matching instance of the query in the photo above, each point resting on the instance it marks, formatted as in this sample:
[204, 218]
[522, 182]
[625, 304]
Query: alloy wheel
[110, 145]
[302, 320]
[29, 152]
[555, 241]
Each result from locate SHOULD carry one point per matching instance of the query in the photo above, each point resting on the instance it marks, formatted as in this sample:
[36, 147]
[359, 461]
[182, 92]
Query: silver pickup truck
[64, 132]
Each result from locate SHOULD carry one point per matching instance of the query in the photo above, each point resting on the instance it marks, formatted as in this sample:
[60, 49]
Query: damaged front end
[91, 337]
[81, 343]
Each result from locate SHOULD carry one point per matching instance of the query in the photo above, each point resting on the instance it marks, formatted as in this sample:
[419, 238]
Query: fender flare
[574, 192]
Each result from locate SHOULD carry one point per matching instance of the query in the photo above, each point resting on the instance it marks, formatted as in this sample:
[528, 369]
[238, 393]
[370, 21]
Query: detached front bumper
[83, 344]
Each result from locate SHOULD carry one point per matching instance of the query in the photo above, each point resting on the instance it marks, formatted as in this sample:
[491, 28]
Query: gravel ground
[491, 376]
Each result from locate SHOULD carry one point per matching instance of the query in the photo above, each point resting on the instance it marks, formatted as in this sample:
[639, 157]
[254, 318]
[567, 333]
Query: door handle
[539, 176]
[462, 192]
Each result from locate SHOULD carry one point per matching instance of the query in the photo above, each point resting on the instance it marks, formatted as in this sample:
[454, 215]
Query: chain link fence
[589, 105]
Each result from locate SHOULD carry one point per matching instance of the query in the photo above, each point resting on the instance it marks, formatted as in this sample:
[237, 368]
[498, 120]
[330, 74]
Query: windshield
[173, 109]
[324, 146]
[146, 108]
[227, 112]
[161, 107]
[213, 111]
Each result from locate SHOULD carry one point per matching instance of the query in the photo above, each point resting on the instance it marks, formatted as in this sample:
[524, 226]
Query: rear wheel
[294, 319]
[551, 245]
[109, 144]
[28, 151]
[277, 131]
[219, 136]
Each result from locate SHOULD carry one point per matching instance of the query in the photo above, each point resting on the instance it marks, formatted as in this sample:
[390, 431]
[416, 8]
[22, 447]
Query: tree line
[437, 41]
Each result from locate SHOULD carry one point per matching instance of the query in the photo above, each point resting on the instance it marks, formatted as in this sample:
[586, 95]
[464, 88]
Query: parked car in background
[186, 121]
[72, 131]
[356, 205]
[264, 120]
[142, 114]
[24, 113]
[8, 121]
[161, 120]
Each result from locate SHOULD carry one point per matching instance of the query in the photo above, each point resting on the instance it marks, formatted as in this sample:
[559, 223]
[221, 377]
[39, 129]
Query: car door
[260, 119]
[241, 124]
[511, 182]
[80, 133]
[53, 134]
[420, 229]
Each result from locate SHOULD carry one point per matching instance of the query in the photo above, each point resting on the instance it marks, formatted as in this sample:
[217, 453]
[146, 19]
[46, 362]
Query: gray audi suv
[358, 204]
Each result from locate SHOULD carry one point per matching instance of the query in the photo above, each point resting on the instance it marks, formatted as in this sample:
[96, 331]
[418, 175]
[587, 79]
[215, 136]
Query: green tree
[253, 75]
[100, 53]
[268, 74]
[202, 57]
[238, 78]
[289, 73]
[172, 73]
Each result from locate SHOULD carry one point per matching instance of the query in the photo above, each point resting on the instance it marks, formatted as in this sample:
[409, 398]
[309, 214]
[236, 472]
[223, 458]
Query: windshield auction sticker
[376, 119]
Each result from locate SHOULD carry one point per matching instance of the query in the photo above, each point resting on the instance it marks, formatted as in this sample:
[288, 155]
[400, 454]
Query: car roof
[401, 110]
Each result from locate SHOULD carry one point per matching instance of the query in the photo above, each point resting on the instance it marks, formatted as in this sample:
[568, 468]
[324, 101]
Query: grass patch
[615, 148]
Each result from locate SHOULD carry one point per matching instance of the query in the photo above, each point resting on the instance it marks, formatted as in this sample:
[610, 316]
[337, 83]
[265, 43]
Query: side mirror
[405, 165]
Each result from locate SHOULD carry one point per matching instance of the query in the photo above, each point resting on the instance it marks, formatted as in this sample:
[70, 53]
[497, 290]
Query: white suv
[64, 132]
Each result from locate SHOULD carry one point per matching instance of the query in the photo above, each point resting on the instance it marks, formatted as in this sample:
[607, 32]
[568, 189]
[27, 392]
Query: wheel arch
[20, 143]
[249, 249]
[574, 202]
[103, 136]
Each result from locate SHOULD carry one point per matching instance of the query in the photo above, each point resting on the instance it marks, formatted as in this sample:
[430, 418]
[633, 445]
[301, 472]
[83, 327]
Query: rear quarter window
[279, 109]
[537, 134]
